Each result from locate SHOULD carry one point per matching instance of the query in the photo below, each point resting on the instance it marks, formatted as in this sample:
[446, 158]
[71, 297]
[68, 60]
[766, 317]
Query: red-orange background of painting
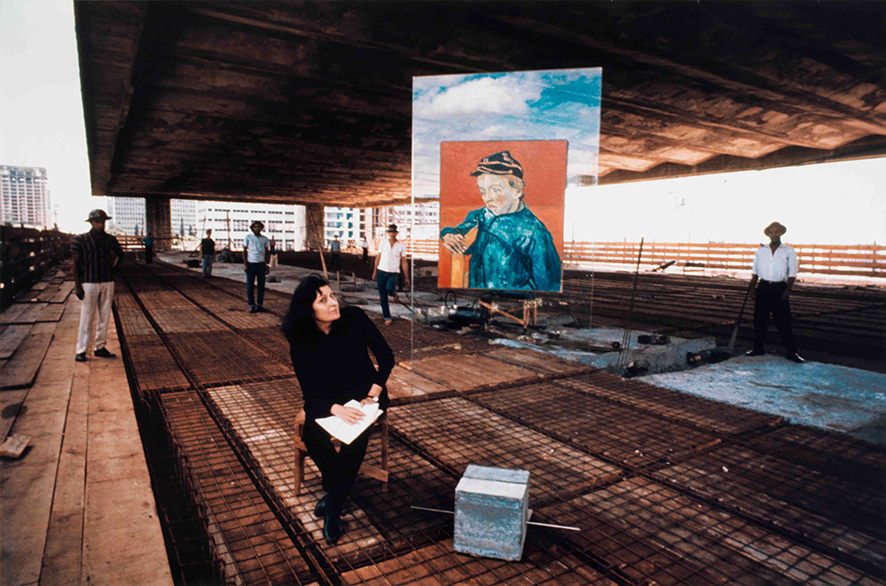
[544, 173]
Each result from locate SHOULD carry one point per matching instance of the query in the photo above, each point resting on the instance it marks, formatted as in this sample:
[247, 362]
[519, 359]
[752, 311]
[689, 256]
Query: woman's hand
[349, 415]
[374, 393]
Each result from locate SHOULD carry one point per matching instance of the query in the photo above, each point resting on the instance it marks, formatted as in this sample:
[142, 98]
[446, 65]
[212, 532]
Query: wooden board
[30, 313]
[406, 383]
[11, 337]
[12, 312]
[51, 313]
[63, 291]
[22, 367]
[536, 361]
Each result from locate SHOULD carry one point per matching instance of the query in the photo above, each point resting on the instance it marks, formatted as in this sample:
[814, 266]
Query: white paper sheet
[339, 429]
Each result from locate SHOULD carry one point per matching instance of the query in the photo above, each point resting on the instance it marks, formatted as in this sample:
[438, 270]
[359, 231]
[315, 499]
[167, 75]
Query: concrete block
[491, 512]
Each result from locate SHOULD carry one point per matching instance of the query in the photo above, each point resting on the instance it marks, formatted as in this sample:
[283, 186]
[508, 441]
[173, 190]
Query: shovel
[731, 345]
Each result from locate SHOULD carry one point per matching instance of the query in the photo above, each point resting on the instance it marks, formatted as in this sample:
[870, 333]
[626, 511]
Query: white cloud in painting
[486, 95]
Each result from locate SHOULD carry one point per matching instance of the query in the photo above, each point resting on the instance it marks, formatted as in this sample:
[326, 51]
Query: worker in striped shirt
[95, 253]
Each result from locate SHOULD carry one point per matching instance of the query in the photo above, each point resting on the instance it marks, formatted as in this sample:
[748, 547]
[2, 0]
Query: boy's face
[498, 195]
[256, 229]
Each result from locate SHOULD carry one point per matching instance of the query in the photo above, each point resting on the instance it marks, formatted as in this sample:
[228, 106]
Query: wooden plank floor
[77, 506]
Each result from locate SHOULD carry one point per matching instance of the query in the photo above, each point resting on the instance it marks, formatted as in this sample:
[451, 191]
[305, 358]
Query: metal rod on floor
[537, 524]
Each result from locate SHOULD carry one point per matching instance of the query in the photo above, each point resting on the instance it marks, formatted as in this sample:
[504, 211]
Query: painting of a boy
[511, 248]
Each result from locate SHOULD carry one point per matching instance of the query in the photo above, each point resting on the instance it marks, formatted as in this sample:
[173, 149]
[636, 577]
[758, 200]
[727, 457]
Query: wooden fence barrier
[25, 254]
[863, 260]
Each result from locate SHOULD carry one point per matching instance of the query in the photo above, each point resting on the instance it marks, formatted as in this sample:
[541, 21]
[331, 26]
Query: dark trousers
[337, 468]
[255, 271]
[387, 283]
[365, 254]
[336, 261]
[769, 301]
[149, 254]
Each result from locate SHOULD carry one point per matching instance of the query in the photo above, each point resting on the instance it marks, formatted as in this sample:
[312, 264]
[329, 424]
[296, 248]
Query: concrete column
[158, 221]
[314, 223]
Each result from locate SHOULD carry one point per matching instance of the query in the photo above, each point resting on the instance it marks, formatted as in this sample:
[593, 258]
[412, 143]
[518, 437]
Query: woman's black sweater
[336, 367]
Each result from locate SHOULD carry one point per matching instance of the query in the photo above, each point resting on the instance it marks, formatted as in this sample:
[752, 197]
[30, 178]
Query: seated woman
[328, 349]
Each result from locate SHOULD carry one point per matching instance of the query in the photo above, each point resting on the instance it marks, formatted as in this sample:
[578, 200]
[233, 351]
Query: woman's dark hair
[301, 307]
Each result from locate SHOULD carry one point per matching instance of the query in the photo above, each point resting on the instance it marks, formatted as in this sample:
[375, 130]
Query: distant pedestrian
[256, 254]
[95, 254]
[388, 263]
[273, 262]
[207, 252]
[775, 267]
[365, 246]
[148, 241]
[335, 248]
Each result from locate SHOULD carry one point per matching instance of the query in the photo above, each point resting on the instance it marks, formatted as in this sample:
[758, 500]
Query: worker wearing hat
[513, 248]
[390, 260]
[95, 256]
[256, 254]
[774, 272]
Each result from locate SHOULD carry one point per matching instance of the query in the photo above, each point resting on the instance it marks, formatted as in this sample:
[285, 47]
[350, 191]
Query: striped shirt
[97, 254]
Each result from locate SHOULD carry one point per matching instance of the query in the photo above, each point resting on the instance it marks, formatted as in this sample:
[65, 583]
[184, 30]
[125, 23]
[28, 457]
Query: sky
[41, 125]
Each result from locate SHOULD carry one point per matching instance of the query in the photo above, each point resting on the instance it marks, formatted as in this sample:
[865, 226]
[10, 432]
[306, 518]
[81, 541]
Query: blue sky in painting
[524, 105]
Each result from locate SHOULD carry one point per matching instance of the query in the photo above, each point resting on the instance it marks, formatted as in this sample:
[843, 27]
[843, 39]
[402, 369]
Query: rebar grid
[597, 425]
[831, 452]
[153, 367]
[472, 371]
[222, 357]
[422, 342]
[647, 533]
[163, 299]
[830, 513]
[271, 340]
[245, 532]
[455, 432]
[134, 322]
[688, 409]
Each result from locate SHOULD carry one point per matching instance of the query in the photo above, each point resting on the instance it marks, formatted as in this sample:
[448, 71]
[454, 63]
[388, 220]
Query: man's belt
[765, 282]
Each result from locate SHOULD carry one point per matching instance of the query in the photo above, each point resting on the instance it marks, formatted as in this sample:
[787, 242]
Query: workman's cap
[98, 215]
[392, 228]
[774, 229]
[499, 164]
[260, 225]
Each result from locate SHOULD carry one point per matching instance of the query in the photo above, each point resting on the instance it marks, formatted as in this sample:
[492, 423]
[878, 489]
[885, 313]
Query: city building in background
[128, 216]
[24, 197]
[230, 223]
[351, 225]
[420, 221]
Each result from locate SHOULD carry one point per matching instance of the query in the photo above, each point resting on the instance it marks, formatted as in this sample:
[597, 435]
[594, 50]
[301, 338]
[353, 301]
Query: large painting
[501, 214]
[508, 125]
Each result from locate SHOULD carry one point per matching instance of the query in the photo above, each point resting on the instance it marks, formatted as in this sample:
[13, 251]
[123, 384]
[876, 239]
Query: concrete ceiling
[310, 102]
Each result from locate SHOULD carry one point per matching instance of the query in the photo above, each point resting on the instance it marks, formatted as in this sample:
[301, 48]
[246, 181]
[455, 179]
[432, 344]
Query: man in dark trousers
[95, 254]
[335, 248]
[207, 252]
[148, 241]
[775, 268]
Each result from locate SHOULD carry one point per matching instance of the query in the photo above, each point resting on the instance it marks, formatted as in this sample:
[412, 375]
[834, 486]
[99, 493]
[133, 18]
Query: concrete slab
[821, 395]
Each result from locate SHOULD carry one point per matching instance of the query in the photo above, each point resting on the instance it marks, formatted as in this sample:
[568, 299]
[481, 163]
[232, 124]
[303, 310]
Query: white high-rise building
[128, 216]
[230, 223]
[351, 225]
[24, 197]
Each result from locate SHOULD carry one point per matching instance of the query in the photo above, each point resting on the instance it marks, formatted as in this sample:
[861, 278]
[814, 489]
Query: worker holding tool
[256, 254]
[774, 272]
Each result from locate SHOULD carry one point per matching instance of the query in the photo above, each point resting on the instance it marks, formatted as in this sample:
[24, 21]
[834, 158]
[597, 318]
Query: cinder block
[491, 512]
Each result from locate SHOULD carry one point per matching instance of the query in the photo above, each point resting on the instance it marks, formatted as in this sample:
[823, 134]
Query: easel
[530, 312]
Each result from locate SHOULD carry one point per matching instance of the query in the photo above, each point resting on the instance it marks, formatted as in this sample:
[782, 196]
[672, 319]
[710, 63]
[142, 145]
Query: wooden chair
[379, 473]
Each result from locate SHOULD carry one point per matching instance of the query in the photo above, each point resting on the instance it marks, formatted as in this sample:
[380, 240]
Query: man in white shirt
[391, 257]
[775, 267]
[256, 252]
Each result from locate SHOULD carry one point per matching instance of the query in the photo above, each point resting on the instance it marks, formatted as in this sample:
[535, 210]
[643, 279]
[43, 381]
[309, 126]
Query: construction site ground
[667, 485]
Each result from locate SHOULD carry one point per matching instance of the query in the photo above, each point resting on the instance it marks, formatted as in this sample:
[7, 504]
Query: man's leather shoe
[103, 353]
[320, 508]
[795, 358]
[80, 357]
[754, 353]
[332, 529]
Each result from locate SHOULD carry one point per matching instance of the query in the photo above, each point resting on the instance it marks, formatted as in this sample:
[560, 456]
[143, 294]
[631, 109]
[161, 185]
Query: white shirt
[390, 256]
[256, 247]
[776, 267]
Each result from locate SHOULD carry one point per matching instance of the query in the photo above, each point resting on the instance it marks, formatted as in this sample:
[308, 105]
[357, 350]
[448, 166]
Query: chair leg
[384, 453]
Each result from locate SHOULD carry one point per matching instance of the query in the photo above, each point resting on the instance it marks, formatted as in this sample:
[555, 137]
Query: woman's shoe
[332, 529]
[320, 508]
